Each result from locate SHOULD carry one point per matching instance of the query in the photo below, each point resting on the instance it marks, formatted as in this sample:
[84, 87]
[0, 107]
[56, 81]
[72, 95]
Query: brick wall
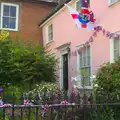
[30, 15]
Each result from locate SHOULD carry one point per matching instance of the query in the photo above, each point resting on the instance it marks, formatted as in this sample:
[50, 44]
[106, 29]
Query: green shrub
[102, 113]
[107, 90]
[12, 95]
[45, 92]
[24, 64]
[108, 78]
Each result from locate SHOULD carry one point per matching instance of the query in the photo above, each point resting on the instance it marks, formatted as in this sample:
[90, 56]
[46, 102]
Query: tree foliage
[28, 63]
[108, 78]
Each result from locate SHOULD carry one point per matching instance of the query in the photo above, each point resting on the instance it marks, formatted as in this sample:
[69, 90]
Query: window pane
[12, 23]
[78, 6]
[50, 37]
[116, 44]
[112, 1]
[89, 71]
[5, 22]
[116, 48]
[50, 32]
[116, 54]
[80, 61]
[86, 73]
[88, 60]
[6, 10]
[50, 29]
[88, 51]
[88, 56]
[13, 11]
[82, 71]
[86, 81]
[84, 61]
[84, 54]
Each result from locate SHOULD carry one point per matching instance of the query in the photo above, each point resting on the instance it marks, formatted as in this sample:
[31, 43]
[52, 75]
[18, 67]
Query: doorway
[65, 72]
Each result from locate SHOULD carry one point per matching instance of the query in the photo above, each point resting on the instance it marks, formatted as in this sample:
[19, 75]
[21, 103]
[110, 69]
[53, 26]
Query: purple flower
[1, 89]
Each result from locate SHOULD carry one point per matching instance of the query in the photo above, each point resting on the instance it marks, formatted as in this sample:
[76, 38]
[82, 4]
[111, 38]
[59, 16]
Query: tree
[22, 64]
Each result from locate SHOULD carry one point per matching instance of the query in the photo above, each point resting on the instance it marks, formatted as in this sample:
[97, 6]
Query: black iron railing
[76, 107]
[62, 112]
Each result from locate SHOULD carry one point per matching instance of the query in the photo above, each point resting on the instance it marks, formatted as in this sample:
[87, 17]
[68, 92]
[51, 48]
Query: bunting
[106, 33]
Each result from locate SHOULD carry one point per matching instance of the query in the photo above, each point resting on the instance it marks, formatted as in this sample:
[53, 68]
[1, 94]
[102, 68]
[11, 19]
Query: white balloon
[94, 76]
[74, 86]
[74, 79]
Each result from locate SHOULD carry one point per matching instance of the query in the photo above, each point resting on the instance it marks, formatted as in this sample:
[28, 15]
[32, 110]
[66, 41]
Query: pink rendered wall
[108, 18]
[64, 31]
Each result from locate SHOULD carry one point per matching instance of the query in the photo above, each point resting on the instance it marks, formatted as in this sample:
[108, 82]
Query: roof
[54, 10]
[54, 1]
[50, 2]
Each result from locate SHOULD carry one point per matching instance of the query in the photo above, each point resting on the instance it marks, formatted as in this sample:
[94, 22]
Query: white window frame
[17, 16]
[110, 2]
[47, 36]
[111, 50]
[79, 85]
[112, 59]
[75, 4]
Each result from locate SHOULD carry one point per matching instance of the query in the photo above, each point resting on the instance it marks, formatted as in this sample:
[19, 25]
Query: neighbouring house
[22, 17]
[67, 41]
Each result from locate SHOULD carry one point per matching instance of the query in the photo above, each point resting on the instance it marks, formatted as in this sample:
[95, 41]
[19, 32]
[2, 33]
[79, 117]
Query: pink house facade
[64, 38]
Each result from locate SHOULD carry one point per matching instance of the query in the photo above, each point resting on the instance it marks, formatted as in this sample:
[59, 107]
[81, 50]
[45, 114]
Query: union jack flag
[86, 12]
[7, 105]
[26, 102]
[64, 102]
[84, 7]
[92, 19]
[44, 109]
[85, 19]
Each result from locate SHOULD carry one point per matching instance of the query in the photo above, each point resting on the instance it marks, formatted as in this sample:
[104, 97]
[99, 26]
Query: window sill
[49, 42]
[111, 4]
[86, 87]
[14, 30]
